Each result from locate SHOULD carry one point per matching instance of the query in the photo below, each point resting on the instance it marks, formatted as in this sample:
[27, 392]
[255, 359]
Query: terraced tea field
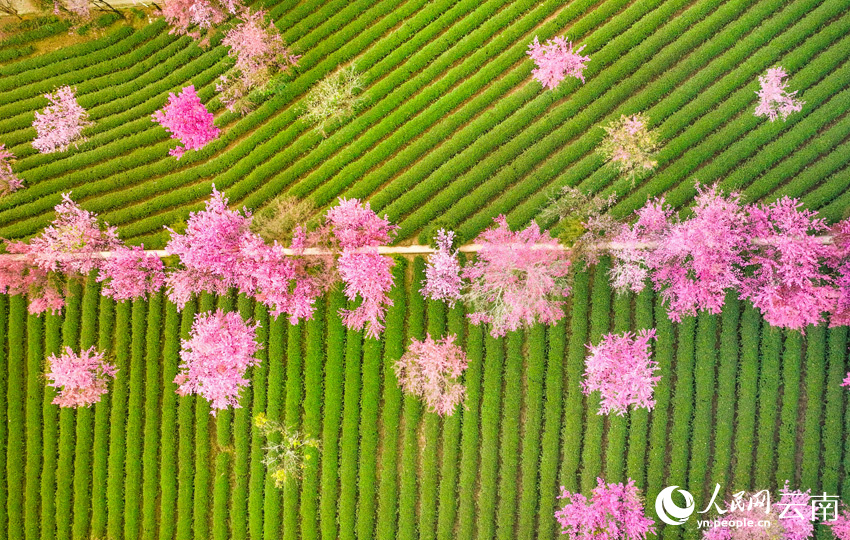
[452, 130]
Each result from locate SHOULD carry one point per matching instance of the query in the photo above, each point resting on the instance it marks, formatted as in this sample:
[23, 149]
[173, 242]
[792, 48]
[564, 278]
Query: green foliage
[334, 98]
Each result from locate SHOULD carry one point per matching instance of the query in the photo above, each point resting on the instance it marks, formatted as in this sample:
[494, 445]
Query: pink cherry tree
[630, 146]
[430, 370]
[220, 349]
[9, 181]
[188, 120]
[69, 248]
[846, 381]
[774, 98]
[518, 279]
[555, 60]
[197, 18]
[130, 273]
[613, 512]
[61, 123]
[840, 264]
[621, 369]
[260, 56]
[784, 275]
[80, 379]
[365, 273]
[442, 271]
[218, 251]
[632, 248]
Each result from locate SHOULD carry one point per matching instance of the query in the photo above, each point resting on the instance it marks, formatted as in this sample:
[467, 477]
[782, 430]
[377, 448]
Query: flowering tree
[621, 369]
[218, 251]
[287, 457]
[69, 248]
[131, 273]
[9, 181]
[430, 370]
[260, 55]
[190, 17]
[365, 273]
[630, 145]
[556, 60]
[774, 99]
[784, 276]
[841, 526]
[614, 512]
[846, 381]
[519, 278]
[188, 120]
[789, 518]
[442, 271]
[697, 260]
[81, 378]
[333, 98]
[632, 246]
[61, 123]
[583, 221]
[214, 359]
[840, 263]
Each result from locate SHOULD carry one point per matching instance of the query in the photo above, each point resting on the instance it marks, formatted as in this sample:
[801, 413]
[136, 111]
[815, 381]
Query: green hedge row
[509, 439]
[16, 423]
[639, 419]
[50, 416]
[348, 447]
[312, 426]
[448, 497]
[724, 417]
[394, 346]
[185, 443]
[117, 419]
[549, 450]
[67, 430]
[150, 454]
[835, 398]
[786, 468]
[34, 399]
[745, 416]
[664, 352]
[600, 310]
[471, 432]
[293, 411]
[203, 448]
[705, 364]
[135, 420]
[275, 409]
[169, 435]
[768, 404]
[100, 508]
[573, 402]
[429, 464]
[331, 417]
[242, 425]
[4, 356]
[814, 392]
[682, 404]
[412, 413]
[223, 455]
[531, 432]
[494, 360]
[259, 378]
[615, 451]
[85, 420]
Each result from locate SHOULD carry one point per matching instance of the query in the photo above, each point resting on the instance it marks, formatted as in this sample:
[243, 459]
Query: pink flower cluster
[214, 359]
[621, 369]
[841, 265]
[614, 512]
[188, 121]
[131, 273]
[841, 526]
[846, 381]
[785, 278]
[442, 271]
[9, 181]
[61, 123]
[189, 17]
[518, 279]
[365, 273]
[770, 253]
[260, 55]
[219, 251]
[429, 370]
[555, 60]
[774, 100]
[81, 378]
